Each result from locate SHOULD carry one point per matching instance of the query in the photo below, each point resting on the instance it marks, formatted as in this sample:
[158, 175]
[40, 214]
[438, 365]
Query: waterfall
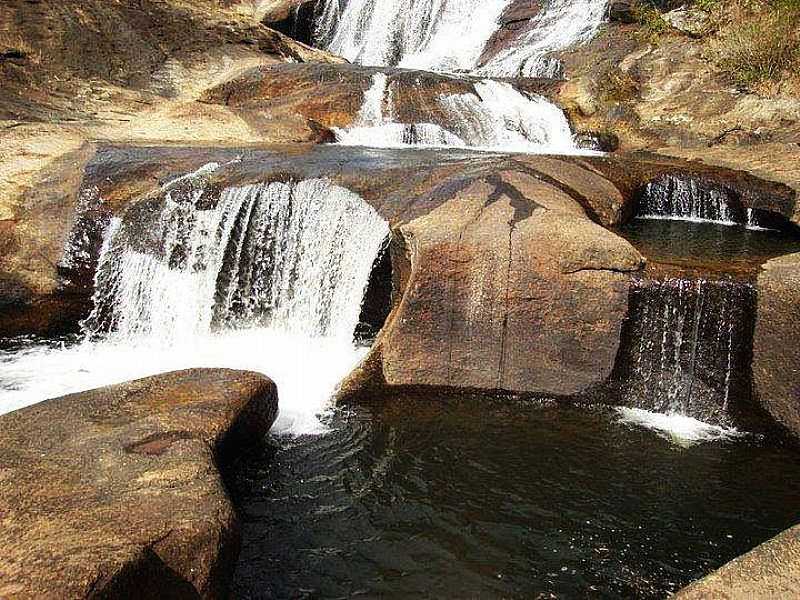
[495, 117]
[686, 199]
[561, 24]
[452, 35]
[686, 352]
[269, 277]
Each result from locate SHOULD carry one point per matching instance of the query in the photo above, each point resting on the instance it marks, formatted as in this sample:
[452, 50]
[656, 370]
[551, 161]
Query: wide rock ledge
[116, 492]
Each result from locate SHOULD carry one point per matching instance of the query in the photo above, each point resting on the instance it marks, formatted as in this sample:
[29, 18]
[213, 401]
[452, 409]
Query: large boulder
[771, 570]
[116, 492]
[776, 361]
[508, 286]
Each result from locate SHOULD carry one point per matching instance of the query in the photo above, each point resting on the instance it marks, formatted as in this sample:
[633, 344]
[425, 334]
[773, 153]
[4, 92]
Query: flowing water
[688, 349]
[425, 499]
[269, 278]
[495, 117]
[452, 35]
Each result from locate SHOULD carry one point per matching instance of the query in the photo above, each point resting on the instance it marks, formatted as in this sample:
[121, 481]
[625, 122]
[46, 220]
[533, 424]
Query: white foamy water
[496, 117]
[451, 35]
[270, 279]
[561, 24]
[679, 429]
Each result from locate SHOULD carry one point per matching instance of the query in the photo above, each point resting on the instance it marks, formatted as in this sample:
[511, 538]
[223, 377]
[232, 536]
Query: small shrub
[616, 86]
[759, 46]
[653, 24]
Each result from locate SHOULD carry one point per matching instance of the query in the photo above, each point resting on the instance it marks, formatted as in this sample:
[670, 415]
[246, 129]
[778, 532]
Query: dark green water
[477, 500]
[708, 246]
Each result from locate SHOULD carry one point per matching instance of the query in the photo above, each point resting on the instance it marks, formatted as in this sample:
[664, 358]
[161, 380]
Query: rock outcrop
[776, 362]
[331, 95]
[771, 570]
[506, 286]
[116, 492]
[662, 94]
[505, 274]
[516, 21]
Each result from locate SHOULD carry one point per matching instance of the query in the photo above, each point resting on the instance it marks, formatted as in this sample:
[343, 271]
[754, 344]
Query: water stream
[270, 278]
[495, 117]
[424, 499]
[452, 35]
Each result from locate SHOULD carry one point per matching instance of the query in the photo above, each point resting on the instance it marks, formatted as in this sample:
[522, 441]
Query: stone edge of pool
[118, 491]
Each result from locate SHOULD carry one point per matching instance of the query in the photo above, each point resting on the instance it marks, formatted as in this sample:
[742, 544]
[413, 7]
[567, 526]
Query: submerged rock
[116, 492]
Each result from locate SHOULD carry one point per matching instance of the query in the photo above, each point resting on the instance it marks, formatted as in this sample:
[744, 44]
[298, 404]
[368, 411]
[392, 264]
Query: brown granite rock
[770, 571]
[776, 360]
[506, 285]
[332, 94]
[116, 493]
[662, 93]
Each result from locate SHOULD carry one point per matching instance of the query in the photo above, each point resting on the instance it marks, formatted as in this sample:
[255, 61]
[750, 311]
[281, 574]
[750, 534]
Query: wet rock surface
[116, 492]
[504, 274]
[333, 94]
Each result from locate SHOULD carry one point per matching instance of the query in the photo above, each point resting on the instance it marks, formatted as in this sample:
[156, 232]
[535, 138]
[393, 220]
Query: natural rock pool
[428, 498]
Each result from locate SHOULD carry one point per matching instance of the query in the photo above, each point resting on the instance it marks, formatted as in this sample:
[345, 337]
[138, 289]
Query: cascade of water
[495, 117]
[686, 199]
[443, 35]
[686, 348]
[451, 35]
[559, 25]
[270, 277]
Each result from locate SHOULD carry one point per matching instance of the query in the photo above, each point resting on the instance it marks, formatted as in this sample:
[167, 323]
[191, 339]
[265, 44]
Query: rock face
[776, 363]
[505, 274]
[771, 570]
[515, 22]
[507, 286]
[85, 59]
[663, 94]
[115, 492]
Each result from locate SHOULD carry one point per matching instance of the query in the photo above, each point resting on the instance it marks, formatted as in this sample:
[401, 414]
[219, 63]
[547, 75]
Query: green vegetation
[757, 42]
[649, 17]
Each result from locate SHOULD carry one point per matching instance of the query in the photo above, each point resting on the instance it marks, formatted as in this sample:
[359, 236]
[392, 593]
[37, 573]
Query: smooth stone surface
[776, 360]
[770, 571]
[116, 492]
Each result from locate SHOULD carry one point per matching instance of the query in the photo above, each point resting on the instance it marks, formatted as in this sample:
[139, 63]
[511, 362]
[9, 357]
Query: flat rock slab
[116, 492]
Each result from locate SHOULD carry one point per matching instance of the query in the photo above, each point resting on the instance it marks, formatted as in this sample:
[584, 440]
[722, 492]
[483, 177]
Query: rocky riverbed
[513, 190]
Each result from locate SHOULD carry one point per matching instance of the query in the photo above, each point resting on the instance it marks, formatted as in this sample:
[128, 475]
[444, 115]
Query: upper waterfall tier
[491, 37]
[495, 117]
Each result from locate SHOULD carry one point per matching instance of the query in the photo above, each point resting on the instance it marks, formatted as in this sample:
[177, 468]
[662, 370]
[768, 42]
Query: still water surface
[424, 499]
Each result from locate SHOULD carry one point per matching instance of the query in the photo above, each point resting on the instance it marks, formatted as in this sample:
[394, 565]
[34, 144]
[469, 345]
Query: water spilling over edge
[269, 279]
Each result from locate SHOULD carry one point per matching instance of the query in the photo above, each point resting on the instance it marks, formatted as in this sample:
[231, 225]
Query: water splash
[270, 278]
[452, 35]
[679, 429]
[495, 117]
